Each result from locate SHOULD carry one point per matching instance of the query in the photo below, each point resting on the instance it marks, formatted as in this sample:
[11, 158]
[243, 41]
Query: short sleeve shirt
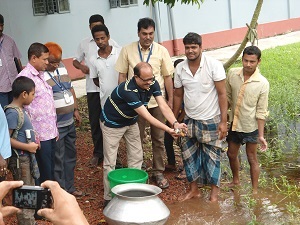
[200, 93]
[12, 121]
[119, 108]
[61, 85]
[104, 70]
[5, 148]
[41, 110]
[8, 70]
[160, 61]
[86, 49]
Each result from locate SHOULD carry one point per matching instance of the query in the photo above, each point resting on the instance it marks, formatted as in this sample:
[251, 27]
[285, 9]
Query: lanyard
[140, 52]
[1, 44]
[58, 83]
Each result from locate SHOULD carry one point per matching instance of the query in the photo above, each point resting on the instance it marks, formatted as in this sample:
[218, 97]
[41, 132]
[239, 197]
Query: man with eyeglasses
[146, 50]
[119, 118]
[67, 112]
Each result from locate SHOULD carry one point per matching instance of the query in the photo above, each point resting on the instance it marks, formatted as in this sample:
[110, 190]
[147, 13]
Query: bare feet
[190, 195]
[213, 199]
[254, 191]
[232, 185]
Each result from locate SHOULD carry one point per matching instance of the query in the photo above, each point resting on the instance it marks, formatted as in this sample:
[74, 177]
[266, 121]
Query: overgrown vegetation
[281, 66]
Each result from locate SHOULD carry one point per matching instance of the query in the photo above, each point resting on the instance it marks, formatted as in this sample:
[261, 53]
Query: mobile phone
[32, 197]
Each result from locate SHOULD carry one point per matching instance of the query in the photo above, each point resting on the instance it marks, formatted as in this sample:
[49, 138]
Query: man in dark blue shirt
[119, 118]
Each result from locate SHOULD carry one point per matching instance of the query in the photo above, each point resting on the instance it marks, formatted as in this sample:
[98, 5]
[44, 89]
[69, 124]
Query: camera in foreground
[32, 197]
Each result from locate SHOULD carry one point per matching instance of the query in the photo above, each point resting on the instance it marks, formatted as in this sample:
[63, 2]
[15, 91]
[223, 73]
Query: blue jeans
[5, 98]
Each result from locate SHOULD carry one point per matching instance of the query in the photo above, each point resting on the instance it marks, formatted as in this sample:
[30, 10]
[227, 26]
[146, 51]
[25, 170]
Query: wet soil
[89, 180]
[272, 205]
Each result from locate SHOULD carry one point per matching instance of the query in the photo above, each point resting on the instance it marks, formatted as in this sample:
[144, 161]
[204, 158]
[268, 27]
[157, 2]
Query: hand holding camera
[59, 207]
[65, 209]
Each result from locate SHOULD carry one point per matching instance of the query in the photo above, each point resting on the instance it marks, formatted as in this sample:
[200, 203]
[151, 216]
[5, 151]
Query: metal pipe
[174, 40]
[157, 22]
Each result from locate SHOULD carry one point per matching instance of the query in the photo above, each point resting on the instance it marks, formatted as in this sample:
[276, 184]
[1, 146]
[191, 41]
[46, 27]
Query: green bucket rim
[110, 178]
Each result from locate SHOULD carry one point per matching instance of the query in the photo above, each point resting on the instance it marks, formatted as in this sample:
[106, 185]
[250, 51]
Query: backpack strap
[14, 135]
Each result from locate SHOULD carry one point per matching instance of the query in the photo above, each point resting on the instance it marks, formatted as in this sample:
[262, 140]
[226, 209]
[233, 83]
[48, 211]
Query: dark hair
[139, 66]
[37, 49]
[99, 28]
[1, 19]
[96, 18]
[22, 84]
[177, 61]
[145, 23]
[252, 50]
[192, 38]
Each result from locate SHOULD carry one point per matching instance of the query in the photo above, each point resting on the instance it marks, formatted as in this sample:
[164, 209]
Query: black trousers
[93, 100]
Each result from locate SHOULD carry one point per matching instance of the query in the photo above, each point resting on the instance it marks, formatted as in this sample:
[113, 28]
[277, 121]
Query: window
[122, 3]
[44, 7]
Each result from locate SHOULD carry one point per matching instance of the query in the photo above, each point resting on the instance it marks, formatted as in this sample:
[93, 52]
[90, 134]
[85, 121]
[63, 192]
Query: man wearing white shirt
[86, 49]
[102, 69]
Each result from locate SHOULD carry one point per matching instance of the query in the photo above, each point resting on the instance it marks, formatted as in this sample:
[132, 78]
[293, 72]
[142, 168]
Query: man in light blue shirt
[5, 148]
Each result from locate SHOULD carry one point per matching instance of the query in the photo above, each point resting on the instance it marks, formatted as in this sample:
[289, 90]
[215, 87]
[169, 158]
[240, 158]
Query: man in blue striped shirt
[119, 119]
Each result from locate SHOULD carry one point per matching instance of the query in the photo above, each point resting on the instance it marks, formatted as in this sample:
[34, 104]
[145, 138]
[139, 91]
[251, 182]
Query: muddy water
[240, 206]
[232, 208]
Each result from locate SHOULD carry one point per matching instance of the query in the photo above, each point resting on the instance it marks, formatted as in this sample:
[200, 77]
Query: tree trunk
[244, 42]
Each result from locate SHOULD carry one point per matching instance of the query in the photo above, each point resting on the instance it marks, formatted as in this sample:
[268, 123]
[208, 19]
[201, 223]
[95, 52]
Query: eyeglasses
[147, 80]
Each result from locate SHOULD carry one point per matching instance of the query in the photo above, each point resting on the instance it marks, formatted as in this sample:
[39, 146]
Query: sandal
[161, 181]
[181, 175]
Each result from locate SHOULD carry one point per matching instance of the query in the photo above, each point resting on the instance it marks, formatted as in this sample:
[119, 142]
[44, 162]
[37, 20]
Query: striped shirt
[119, 108]
[61, 86]
[8, 70]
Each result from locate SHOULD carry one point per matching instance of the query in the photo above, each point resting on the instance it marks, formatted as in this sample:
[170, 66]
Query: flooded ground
[276, 203]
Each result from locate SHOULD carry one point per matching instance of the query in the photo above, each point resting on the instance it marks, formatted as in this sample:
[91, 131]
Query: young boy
[23, 89]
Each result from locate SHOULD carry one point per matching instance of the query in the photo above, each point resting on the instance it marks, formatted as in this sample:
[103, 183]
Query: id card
[0, 62]
[67, 97]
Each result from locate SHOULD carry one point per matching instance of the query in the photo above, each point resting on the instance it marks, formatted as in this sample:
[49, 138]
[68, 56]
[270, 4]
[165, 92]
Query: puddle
[233, 208]
[239, 206]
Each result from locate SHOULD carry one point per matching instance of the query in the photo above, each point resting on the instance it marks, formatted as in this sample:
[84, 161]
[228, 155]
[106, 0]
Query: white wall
[69, 28]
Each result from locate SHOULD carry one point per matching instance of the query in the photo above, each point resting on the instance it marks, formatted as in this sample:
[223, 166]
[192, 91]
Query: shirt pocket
[205, 84]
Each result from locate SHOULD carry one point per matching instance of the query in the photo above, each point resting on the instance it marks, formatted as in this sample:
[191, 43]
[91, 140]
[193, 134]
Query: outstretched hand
[65, 209]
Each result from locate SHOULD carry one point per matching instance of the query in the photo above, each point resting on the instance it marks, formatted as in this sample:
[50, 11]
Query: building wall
[221, 22]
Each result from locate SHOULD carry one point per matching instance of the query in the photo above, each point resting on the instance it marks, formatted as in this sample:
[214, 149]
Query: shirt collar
[33, 70]
[113, 52]
[254, 77]
[142, 47]
[186, 64]
[91, 39]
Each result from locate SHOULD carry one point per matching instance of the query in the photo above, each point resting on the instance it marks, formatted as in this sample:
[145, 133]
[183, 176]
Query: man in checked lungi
[200, 80]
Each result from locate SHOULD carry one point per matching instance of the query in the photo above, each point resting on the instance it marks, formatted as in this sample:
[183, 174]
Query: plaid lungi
[201, 150]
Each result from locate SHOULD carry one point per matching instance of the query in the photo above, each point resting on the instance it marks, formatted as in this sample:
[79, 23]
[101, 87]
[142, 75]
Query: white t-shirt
[85, 50]
[104, 70]
[200, 94]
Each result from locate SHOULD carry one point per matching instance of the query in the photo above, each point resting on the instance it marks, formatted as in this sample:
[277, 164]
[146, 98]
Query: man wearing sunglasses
[119, 118]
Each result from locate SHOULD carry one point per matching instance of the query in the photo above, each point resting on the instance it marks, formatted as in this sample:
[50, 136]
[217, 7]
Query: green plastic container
[127, 175]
